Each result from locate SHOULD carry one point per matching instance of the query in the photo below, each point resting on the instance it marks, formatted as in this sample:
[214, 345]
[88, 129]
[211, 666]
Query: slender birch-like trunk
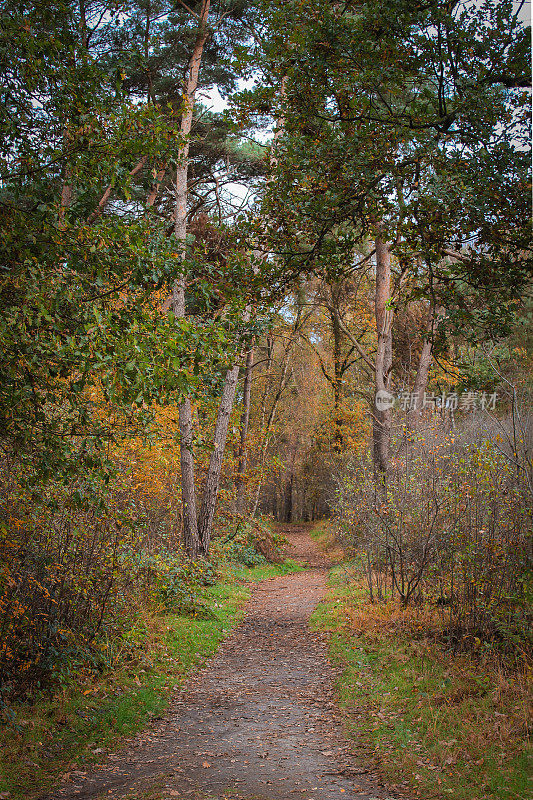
[198, 531]
[268, 426]
[245, 420]
[273, 160]
[421, 379]
[288, 510]
[190, 519]
[337, 380]
[212, 481]
[382, 415]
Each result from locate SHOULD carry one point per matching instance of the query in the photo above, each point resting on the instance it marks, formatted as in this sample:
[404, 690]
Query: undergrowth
[73, 727]
[450, 726]
[263, 572]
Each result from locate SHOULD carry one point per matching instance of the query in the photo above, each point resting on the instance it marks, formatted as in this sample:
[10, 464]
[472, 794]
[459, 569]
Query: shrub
[453, 528]
[180, 587]
[240, 545]
[71, 559]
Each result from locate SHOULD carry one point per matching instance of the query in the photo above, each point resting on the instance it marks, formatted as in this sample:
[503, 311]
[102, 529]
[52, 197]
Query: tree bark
[188, 494]
[421, 380]
[288, 498]
[212, 481]
[289, 485]
[104, 200]
[215, 462]
[154, 191]
[338, 377]
[245, 419]
[269, 422]
[190, 518]
[83, 25]
[382, 417]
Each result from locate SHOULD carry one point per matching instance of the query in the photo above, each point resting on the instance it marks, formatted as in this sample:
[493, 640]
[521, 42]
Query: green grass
[264, 572]
[323, 533]
[61, 733]
[319, 531]
[445, 726]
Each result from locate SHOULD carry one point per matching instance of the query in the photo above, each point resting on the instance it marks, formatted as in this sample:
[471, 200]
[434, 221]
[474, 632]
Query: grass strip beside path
[76, 727]
[450, 726]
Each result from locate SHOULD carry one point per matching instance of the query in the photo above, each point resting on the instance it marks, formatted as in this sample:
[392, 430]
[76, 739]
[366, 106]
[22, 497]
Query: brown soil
[259, 722]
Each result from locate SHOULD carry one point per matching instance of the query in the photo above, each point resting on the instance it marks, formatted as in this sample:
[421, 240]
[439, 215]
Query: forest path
[258, 722]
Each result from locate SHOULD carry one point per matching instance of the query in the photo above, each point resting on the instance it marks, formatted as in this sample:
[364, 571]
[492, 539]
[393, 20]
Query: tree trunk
[273, 161]
[104, 200]
[188, 494]
[382, 412]
[269, 423]
[421, 380]
[66, 198]
[245, 419]
[154, 191]
[215, 462]
[288, 498]
[289, 485]
[212, 482]
[83, 24]
[337, 382]
[190, 519]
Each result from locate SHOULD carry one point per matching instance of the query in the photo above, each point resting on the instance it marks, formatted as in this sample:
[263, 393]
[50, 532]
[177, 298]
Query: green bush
[180, 588]
[240, 546]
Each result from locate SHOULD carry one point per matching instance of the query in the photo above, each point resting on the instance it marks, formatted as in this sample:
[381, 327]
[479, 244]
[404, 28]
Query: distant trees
[400, 126]
[383, 245]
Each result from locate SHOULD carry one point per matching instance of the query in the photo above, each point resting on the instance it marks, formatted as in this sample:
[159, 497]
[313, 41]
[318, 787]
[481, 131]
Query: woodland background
[199, 307]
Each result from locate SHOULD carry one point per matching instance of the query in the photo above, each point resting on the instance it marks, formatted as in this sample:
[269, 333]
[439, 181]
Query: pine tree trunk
[245, 419]
[154, 191]
[66, 198]
[288, 498]
[382, 417]
[188, 494]
[215, 462]
[190, 519]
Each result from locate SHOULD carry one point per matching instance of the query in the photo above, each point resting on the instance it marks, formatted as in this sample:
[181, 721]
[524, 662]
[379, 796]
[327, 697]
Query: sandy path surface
[258, 722]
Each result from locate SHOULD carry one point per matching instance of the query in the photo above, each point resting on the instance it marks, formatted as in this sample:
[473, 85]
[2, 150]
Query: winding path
[258, 722]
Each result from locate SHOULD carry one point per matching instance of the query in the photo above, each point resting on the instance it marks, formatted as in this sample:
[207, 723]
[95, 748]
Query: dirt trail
[258, 722]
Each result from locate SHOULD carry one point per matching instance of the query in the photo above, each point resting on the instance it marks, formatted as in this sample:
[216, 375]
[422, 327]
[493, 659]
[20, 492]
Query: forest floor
[258, 722]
